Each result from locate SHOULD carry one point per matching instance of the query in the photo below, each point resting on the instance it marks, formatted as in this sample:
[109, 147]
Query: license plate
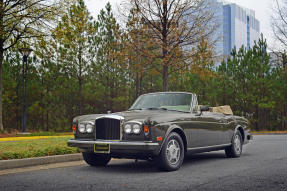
[102, 148]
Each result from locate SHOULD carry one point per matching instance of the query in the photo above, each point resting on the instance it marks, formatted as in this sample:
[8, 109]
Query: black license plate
[101, 148]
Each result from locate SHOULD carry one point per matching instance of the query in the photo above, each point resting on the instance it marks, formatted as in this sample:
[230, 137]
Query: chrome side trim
[209, 147]
[149, 143]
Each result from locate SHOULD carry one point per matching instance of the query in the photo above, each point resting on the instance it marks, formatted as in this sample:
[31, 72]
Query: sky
[262, 10]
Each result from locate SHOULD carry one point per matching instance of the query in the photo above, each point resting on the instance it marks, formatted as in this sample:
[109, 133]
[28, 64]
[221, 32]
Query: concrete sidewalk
[19, 163]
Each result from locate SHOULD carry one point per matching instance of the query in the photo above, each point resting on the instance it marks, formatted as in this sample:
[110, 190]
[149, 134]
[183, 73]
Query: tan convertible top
[226, 109]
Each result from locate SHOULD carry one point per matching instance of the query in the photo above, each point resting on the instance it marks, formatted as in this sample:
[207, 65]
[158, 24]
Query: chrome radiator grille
[108, 129]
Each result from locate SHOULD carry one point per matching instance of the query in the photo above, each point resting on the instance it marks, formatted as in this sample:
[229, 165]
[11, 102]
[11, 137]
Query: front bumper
[118, 147]
[248, 137]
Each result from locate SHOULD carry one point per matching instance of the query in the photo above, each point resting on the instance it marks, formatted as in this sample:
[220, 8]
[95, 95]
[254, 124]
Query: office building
[238, 27]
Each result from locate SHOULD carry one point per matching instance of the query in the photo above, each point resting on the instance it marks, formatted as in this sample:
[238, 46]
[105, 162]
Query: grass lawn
[35, 148]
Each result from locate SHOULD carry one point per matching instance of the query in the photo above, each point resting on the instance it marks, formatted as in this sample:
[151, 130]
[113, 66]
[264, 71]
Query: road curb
[19, 163]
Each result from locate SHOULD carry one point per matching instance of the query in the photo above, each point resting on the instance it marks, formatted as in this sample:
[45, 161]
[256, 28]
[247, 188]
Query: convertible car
[161, 127]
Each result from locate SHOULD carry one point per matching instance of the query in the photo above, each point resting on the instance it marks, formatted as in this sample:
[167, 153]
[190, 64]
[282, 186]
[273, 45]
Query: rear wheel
[172, 153]
[94, 159]
[235, 149]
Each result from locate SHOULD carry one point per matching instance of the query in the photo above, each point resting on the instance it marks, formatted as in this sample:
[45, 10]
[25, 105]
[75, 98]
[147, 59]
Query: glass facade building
[238, 27]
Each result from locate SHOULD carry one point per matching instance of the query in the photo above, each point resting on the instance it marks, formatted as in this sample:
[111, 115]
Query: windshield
[165, 101]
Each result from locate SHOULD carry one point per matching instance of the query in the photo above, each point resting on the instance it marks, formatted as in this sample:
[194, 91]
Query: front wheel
[94, 159]
[172, 153]
[235, 149]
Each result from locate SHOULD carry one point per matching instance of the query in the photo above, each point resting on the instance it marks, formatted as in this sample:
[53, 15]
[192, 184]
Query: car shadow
[195, 159]
[125, 166]
[142, 166]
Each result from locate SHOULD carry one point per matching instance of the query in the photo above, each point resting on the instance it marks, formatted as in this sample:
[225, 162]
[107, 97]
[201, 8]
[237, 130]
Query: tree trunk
[203, 91]
[137, 84]
[165, 78]
[47, 120]
[107, 92]
[42, 104]
[224, 94]
[18, 115]
[256, 116]
[80, 96]
[164, 46]
[141, 84]
[80, 81]
[150, 88]
[1, 61]
[47, 109]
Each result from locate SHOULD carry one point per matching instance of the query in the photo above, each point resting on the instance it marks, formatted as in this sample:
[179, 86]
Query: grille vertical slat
[108, 129]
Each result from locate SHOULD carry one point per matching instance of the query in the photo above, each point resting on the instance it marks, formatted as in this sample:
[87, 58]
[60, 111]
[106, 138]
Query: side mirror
[204, 108]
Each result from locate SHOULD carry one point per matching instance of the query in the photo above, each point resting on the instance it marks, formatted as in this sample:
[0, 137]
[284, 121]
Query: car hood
[145, 116]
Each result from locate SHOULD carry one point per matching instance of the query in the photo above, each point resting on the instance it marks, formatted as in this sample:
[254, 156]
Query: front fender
[167, 129]
[172, 128]
[244, 131]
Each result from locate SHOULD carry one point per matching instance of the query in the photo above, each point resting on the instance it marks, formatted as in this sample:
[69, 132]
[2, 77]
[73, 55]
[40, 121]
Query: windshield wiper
[135, 109]
[156, 108]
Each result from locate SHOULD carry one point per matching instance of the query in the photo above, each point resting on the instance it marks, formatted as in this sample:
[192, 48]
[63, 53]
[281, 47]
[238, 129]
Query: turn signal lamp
[74, 128]
[159, 138]
[146, 129]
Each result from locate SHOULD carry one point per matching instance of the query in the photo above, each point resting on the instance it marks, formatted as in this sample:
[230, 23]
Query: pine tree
[110, 68]
[75, 42]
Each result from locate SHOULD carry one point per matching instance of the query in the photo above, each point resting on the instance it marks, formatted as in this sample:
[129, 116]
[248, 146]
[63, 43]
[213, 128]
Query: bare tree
[21, 20]
[175, 25]
[279, 22]
[279, 27]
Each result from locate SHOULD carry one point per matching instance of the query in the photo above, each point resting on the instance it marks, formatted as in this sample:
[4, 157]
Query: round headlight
[128, 128]
[82, 128]
[89, 128]
[136, 129]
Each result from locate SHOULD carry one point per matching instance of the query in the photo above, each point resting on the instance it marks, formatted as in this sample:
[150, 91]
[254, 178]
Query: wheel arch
[179, 131]
[241, 130]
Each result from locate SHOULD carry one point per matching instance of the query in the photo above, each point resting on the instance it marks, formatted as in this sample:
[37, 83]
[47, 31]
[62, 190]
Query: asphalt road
[262, 166]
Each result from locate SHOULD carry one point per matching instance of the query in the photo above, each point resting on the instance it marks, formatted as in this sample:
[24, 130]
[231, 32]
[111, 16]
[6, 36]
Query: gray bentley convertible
[162, 127]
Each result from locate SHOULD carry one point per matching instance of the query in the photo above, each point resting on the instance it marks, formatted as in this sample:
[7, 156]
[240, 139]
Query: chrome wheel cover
[173, 151]
[237, 144]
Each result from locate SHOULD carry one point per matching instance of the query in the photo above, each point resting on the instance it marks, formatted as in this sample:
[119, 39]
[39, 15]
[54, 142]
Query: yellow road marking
[32, 138]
